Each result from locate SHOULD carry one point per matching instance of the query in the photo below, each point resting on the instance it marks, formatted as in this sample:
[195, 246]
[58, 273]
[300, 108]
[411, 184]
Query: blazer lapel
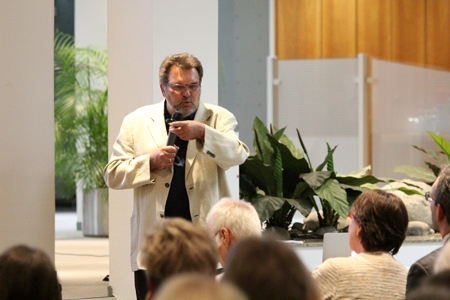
[157, 132]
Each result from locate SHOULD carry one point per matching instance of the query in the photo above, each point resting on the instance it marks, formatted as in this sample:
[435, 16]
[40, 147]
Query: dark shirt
[177, 204]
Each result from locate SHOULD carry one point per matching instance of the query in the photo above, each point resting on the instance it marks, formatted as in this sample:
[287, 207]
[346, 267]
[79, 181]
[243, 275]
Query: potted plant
[81, 126]
[279, 180]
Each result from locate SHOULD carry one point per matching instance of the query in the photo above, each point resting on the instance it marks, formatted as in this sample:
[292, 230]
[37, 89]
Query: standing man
[180, 180]
[439, 198]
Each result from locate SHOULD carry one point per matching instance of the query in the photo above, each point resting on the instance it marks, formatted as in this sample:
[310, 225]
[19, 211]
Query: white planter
[95, 213]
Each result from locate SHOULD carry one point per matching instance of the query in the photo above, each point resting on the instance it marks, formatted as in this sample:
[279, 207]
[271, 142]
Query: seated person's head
[177, 246]
[230, 220]
[379, 222]
[433, 287]
[198, 287]
[27, 273]
[265, 268]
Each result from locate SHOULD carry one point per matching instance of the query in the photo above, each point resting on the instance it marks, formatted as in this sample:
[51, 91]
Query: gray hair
[238, 216]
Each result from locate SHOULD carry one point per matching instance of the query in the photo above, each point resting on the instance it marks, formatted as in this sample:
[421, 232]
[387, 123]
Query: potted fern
[81, 126]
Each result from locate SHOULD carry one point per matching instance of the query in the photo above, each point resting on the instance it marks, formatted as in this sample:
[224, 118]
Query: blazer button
[161, 215]
[167, 184]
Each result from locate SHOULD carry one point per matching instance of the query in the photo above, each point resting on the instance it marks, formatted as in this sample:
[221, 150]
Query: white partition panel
[320, 99]
[407, 101]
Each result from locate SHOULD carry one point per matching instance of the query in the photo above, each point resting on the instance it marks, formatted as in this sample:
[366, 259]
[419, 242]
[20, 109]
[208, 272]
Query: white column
[27, 181]
[140, 34]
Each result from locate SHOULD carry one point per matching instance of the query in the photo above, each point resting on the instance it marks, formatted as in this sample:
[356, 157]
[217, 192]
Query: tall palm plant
[81, 122]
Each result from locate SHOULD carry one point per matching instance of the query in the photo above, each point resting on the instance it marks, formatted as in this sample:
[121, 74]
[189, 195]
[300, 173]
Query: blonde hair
[178, 246]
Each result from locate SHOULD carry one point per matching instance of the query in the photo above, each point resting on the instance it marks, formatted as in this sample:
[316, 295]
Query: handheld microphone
[171, 137]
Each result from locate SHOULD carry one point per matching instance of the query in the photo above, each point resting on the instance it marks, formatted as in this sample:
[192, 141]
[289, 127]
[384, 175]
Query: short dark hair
[383, 219]
[442, 192]
[181, 60]
[27, 273]
[267, 269]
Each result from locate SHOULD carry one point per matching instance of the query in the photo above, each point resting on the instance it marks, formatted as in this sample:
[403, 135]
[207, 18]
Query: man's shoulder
[424, 265]
[215, 110]
[429, 258]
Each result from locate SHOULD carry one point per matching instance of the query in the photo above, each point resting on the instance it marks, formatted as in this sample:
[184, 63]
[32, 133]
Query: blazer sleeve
[222, 143]
[127, 168]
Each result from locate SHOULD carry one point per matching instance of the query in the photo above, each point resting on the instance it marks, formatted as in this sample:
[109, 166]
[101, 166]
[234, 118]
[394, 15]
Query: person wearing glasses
[439, 198]
[186, 178]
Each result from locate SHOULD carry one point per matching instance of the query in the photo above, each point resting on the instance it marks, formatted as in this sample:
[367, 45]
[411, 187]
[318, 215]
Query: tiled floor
[81, 262]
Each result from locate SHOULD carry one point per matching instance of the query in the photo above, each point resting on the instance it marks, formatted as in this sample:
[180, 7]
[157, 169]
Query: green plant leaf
[442, 143]
[304, 206]
[316, 179]
[325, 161]
[335, 196]
[416, 172]
[357, 173]
[266, 205]
[435, 169]
[260, 174]
[295, 152]
[357, 181]
[261, 143]
[437, 155]
[278, 174]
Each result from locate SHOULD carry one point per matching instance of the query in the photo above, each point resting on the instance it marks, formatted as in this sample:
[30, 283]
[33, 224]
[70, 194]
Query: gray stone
[419, 228]
[418, 208]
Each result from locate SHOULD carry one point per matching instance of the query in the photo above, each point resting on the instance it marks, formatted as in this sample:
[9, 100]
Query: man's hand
[163, 157]
[188, 130]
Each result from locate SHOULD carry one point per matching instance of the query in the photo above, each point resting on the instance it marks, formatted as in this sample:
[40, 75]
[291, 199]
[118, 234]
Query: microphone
[171, 137]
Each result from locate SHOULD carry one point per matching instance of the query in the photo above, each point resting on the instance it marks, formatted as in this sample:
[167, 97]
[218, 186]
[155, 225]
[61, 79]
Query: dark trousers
[140, 284]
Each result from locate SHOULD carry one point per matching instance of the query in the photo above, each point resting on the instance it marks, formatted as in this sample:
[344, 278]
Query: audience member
[198, 287]
[267, 269]
[439, 198]
[376, 232]
[27, 273]
[433, 287]
[230, 220]
[177, 246]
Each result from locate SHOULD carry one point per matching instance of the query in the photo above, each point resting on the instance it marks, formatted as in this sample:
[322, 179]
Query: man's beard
[186, 112]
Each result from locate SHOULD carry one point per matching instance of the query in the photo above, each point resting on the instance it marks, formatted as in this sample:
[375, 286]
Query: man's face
[433, 206]
[182, 91]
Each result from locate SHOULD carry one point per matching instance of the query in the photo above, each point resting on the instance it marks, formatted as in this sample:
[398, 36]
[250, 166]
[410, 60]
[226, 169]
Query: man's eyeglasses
[178, 87]
[428, 197]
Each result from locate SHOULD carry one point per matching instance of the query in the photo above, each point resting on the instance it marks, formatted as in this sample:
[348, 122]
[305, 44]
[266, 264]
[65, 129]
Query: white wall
[90, 23]
[27, 197]
[140, 34]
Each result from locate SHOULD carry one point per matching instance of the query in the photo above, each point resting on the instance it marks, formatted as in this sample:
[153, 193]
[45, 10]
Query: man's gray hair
[238, 216]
